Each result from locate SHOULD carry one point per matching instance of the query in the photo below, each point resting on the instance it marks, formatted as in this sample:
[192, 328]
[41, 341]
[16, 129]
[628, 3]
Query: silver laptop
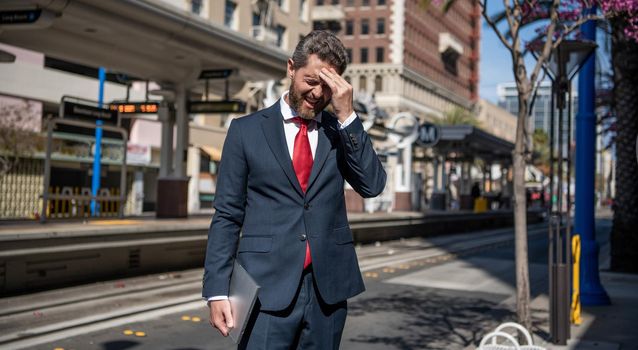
[242, 295]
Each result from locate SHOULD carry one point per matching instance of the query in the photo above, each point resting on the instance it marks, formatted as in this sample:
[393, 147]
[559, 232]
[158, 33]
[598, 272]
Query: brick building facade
[411, 57]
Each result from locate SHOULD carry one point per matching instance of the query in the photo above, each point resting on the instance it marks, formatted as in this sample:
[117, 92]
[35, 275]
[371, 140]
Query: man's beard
[296, 102]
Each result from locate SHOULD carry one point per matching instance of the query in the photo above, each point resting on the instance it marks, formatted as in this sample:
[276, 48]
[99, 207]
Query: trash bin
[480, 205]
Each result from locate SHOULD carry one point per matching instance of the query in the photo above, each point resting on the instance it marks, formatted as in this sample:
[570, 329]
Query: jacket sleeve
[361, 166]
[230, 203]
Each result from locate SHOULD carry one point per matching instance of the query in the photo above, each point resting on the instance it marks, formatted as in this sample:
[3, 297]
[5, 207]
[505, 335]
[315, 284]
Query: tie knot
[300, 120]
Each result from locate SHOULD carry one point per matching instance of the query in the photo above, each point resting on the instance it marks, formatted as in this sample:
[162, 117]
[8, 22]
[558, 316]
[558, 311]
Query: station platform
[35, 256]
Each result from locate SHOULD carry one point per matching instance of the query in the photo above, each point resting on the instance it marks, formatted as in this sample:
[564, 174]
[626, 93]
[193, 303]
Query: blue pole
[591, 291]
[97, 157]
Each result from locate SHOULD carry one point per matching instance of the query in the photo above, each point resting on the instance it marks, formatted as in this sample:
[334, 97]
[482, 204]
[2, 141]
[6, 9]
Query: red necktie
[302, 162]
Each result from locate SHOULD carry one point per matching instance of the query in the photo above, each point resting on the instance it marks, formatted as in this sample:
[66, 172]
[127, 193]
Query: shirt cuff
[217, 297]
[348, 121]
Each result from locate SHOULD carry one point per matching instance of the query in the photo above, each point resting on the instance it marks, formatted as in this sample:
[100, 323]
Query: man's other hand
[221, 316]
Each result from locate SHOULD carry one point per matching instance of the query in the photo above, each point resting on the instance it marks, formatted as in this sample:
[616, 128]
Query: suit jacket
[258, 195]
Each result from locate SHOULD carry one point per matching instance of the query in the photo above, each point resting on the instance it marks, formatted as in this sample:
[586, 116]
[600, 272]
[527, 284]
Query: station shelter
[171, 153]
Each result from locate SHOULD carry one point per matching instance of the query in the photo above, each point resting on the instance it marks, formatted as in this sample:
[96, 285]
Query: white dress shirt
[290, 130]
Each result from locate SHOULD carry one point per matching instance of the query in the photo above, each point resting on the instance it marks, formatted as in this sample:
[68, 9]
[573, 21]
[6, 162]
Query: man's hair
[323, 44]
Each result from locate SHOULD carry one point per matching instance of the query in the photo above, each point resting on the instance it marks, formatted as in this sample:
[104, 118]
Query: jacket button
[306, 206]
[302, 237]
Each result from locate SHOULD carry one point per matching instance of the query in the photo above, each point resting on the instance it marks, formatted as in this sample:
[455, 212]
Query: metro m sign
[429, 135]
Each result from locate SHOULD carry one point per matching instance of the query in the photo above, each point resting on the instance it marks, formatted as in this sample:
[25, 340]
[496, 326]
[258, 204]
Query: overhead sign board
[88, 112]
[215, 73]
[145, 107]
[227, 106]
[19, 16]
[429, 135]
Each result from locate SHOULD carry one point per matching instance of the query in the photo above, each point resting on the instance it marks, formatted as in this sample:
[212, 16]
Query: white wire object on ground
[511, 342]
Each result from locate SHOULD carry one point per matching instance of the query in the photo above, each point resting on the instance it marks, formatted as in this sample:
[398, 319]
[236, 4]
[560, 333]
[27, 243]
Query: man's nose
[319, 91]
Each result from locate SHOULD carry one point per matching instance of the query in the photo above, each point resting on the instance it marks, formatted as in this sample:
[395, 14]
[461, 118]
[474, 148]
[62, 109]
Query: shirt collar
[289, 113]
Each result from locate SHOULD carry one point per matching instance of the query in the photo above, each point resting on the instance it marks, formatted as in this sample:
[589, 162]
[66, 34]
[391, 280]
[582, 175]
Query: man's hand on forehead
[341, 92]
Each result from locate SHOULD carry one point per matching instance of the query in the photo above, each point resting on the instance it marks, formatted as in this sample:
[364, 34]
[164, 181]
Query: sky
[495, 65]
[495, 61]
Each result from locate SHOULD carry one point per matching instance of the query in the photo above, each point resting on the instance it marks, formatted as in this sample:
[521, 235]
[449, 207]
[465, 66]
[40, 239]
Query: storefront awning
[467, 141]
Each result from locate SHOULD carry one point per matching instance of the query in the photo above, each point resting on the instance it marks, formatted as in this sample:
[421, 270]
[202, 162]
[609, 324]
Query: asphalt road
[421, 294]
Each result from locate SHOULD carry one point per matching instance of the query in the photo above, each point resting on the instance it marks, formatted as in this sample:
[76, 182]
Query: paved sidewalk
[611, 327]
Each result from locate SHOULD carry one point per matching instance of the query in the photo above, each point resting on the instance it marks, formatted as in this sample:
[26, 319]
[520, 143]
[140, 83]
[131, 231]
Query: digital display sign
[228, 106]
[147, 107]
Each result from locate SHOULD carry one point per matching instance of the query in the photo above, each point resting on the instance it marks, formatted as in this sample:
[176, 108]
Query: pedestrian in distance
[281, 184]
[475, 191]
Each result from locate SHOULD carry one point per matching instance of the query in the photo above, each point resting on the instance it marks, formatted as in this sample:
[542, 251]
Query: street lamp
[565, 61]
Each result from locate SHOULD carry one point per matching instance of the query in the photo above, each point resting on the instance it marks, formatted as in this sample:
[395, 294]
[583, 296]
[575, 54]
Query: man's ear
[291, 69]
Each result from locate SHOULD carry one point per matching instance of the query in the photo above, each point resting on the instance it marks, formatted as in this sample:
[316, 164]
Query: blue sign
[429, 135]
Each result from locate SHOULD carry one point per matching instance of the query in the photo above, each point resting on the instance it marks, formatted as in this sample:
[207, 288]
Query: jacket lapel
[273, 128]
[323, 149]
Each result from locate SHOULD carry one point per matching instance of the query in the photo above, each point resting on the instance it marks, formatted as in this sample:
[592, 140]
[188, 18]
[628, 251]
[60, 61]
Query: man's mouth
[310, 103]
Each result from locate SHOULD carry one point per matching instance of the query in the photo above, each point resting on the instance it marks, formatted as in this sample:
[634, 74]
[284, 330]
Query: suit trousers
[308, 323]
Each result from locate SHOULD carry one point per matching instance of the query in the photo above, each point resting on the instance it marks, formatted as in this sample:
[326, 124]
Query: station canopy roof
[148, 39]
[468, 142]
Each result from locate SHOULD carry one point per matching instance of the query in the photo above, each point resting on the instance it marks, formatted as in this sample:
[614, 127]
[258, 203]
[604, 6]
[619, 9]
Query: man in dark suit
[281, 184]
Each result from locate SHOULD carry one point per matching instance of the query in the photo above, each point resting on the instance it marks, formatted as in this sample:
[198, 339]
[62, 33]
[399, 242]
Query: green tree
[540, 155]
[459, 116]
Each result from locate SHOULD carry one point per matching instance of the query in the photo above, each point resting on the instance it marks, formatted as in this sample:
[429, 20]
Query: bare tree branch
[537, 85]
[547, 47]
[493, 26]
[508, 15]
[574, 26]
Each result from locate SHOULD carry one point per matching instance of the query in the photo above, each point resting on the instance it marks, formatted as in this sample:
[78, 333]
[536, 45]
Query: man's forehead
[313, 66]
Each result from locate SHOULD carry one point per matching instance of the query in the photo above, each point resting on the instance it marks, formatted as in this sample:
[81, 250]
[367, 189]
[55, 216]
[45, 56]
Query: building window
[283, 5]
[349, 53]
[196, 6]
[319, 2]
[365, 2]
[256, 19]
[365, 26]
[363, 83]
[229, 14]
[349, 3]
[380, 54]
[364, 55]
[381, 2]
[378, 83]
[303, 10]
[380, 25]
[281, 31]
[349, 27]
[335, 2]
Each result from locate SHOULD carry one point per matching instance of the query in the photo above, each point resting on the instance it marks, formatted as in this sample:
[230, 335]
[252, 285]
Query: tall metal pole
[553, 320]
[95, 180]
[591, 291]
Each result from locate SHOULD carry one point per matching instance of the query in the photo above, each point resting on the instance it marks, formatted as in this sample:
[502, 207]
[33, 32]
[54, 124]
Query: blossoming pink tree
[542, 25]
